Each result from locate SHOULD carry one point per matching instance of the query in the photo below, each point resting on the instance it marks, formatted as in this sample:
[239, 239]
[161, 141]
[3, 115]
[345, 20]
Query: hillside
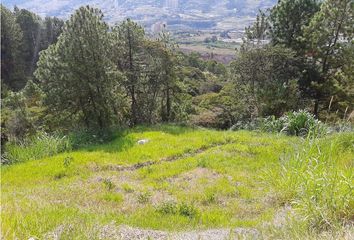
[182, 179]
[177, 14]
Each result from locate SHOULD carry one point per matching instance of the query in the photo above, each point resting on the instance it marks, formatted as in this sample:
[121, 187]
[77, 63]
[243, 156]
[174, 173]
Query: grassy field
[183, 179]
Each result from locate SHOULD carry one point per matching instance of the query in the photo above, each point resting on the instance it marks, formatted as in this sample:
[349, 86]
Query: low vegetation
[196, 179]
[104, 126]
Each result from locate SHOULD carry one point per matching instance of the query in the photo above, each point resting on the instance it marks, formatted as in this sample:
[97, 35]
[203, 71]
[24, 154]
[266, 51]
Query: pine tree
[267, 78]
[30, 25]
[327, 36]
[259, 31]
[288, 18]
[128, 38]
[77, 75]
[12, 74]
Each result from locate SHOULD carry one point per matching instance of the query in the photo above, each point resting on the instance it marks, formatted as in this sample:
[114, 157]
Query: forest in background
[83, 74]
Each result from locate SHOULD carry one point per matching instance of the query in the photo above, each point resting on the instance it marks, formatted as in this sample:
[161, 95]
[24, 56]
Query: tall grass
[317, 181]
[36, 147]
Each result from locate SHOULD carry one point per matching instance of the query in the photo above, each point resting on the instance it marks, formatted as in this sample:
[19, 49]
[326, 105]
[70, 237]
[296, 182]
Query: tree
[288, 18]
[30, 25]
[259, 31]
[11, 39]
[128, 39]
[149, 69]
[267, 77]
[80, 81]
[327, 37]
[51, 30]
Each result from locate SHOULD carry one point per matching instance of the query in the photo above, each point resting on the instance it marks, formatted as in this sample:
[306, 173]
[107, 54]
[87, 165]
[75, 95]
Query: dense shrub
[36, 147]
[86, 137]
[300, 123]
[183, 209]
[297, 123]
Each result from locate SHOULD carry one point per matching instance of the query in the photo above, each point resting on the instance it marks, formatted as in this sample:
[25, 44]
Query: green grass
[40, 146]
[199, 179]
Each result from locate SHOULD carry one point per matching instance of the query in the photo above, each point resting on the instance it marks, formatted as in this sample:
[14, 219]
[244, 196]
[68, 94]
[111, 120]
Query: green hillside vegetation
[182, 179]
[104, 127]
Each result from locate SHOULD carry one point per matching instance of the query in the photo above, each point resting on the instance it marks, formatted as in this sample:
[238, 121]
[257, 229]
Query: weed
[127, 188]
[209, 197]
[169, 207]
[109, 185]
[144, 197]
[187, 210]
[67, 161]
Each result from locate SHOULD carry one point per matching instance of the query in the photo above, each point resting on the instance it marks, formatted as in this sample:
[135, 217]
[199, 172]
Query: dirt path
[128, 233]
[173, 158]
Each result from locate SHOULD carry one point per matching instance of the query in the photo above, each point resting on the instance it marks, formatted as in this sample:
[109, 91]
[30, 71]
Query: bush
[187, 210]
[169, 207]
[182, 209]
[300, 123]
[82, 138]
[36, 147]
[144, 197]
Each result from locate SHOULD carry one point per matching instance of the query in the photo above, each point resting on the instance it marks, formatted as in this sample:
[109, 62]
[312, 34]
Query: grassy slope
[201, 179]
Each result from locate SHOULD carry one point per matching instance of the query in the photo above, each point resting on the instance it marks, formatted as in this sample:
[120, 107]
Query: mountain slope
[149, 12]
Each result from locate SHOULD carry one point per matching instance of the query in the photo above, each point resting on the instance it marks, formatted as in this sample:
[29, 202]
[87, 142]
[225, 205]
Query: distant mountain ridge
[195, 14]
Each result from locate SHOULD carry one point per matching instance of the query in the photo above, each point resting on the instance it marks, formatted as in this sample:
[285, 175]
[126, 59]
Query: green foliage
[12, 72]
[328, 38]
[113, 197]
[267, 79]
[299, 123]
[317, 181]
[144, 197]
[86, 137]
[288, 20]
[259, 31]
[183, 209]
[148, 67]
[80, 81]
[169, 207]
[36, 147]
[187, 210]
[229, 184]
[30, 25]
[108, 184]
[127, 188]
[22, 112]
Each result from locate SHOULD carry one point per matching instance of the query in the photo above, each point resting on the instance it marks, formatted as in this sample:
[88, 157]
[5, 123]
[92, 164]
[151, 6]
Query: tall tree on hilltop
[328, 37]
[267, 78]
[11, 42]
[52, 28]
[259, 31]
[30, 24]
[77, 75]
[149, 69]
[169, 74]
[288, 18]
[128, 38]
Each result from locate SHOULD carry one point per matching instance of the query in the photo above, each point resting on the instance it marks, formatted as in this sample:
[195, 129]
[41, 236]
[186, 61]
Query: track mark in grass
[173, 158]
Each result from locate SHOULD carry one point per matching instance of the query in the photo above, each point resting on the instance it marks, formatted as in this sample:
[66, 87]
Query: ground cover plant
[183, 179]
[110, 131]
